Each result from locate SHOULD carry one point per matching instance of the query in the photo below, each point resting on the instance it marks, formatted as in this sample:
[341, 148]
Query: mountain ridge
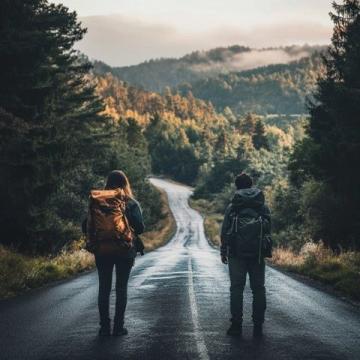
[157, 74]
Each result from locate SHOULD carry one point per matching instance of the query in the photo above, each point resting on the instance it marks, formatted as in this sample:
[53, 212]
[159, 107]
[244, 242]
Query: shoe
[120, 331]
[104, 330]
[235, 329]
[258, 331]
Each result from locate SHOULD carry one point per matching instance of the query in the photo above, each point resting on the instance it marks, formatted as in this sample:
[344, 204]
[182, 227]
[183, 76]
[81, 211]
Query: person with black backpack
[245, 242]
[112, 227]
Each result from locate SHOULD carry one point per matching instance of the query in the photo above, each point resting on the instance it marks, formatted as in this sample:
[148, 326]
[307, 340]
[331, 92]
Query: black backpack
[249, 234]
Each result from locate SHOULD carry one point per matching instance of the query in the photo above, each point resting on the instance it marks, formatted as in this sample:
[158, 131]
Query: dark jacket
[251, 198]
[135, 218]
[134, 215]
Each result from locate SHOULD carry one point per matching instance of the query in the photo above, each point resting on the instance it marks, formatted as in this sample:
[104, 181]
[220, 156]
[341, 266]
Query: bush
[293, 237]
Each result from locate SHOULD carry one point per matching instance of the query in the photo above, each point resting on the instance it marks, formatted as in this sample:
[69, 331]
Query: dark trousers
[105, 265]
[238, 269]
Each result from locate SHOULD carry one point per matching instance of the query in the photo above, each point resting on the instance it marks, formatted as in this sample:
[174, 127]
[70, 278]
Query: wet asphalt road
[178, 308]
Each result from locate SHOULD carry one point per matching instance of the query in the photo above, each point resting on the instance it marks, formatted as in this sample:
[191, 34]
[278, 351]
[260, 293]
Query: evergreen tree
[45, 83]
[248, 124]
[259, 138]
[332, 152]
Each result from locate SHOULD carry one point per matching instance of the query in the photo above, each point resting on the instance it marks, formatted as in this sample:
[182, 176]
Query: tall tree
[332, 152]
[248, 124]
[259, 137]
[45, 83]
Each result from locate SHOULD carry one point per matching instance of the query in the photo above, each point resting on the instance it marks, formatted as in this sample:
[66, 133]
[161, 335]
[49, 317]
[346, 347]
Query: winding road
[178, 308]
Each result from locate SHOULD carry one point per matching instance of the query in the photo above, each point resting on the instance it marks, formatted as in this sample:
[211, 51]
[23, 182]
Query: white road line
[199, 338]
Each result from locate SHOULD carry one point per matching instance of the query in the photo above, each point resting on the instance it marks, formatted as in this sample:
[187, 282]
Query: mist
[250, 60]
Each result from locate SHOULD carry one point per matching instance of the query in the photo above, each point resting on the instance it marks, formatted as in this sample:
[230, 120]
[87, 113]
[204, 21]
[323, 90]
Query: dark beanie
[243, 181]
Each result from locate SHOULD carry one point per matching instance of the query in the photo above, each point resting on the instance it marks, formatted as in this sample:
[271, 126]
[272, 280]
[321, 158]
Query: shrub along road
[179, 309]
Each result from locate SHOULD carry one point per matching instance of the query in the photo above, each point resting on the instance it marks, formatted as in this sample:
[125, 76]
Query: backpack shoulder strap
[247, 212]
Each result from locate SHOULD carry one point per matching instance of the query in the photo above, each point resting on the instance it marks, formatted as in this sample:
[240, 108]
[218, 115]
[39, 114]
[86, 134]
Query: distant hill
[155, 75]
[274, 89]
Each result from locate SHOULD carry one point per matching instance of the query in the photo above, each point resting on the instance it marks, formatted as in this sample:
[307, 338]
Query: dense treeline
[324, 182]
[187, 139]
[179, 130]
[123, 100]
[262, 150]
[55, 141]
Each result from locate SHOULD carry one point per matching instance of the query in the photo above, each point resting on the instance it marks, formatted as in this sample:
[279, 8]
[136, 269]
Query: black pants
[105, 265]
[238, 269]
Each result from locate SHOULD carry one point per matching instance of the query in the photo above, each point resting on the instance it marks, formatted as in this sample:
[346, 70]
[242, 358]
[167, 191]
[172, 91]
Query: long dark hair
[117, 179]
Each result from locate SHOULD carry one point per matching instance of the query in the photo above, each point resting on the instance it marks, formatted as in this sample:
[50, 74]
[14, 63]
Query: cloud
[121, 40]
[277, 34]
[252, 59]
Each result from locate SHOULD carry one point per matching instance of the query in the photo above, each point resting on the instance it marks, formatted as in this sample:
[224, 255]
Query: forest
[187, 137]
[66, 122]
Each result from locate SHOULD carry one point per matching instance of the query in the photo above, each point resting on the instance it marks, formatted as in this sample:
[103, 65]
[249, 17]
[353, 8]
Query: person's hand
[224, 259]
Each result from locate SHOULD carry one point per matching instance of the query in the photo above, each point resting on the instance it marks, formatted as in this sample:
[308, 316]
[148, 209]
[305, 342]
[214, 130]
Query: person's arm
[134, 215]
[88, 226]
[223, 236]
[266, 214]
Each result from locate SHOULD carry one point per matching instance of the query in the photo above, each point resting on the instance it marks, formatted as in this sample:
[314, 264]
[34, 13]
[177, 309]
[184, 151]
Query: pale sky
[125, 32]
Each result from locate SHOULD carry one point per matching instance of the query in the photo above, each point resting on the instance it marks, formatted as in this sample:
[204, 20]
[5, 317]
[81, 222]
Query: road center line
[199, 338]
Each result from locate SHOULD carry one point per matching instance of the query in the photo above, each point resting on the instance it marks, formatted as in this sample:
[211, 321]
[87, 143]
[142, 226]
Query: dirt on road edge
[164, 230]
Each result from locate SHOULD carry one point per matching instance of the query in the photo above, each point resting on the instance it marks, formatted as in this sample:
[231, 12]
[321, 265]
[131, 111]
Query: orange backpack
[108, 230]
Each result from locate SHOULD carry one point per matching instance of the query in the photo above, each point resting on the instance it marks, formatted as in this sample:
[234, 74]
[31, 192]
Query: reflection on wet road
[179, 309]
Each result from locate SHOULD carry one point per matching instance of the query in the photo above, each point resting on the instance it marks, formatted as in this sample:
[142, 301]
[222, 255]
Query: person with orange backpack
[112, 227]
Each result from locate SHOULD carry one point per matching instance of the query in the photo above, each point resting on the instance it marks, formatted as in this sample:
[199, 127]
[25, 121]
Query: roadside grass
[164, 230]
[19, 273]
[212, 220]
[341, 271]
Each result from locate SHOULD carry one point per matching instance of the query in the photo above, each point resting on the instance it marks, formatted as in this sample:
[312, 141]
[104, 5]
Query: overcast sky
[125, 32]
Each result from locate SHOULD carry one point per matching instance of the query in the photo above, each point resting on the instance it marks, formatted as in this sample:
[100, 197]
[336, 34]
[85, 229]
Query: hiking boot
[258, 331]
[119, 331]
[235, 329]
[104, 330]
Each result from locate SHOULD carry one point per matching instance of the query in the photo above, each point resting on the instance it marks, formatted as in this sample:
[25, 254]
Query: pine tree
[259, 137]
[332, 152]
[248, 124]
[45, 83]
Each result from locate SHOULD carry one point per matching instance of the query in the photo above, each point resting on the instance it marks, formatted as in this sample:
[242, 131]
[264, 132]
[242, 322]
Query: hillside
[274, 89]
[178, 130]
[186, 136]
[157, 74]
